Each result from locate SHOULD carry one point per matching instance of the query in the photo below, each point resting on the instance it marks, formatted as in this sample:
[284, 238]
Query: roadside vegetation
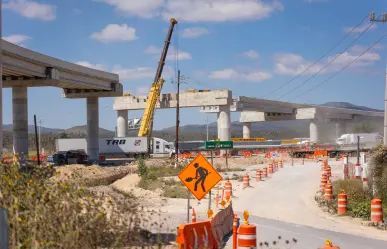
[153, 178]
[358, 197]
[45, 214]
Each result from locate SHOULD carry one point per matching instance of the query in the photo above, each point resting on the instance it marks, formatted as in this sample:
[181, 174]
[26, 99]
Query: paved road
[284, 206]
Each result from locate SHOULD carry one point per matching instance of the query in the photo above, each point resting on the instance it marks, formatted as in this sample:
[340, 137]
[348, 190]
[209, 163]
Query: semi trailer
[120, 147]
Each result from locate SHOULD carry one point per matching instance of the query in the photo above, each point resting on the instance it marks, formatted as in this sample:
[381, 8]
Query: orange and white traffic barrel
[281, 164]
[329, 170]
[323, 167]
[376, 210]
[247, 238]
[246, 181]
[323, 183]
[342, 202]
[329, 245]
[227, 189]
[264, 173]
[258, 175]
[270, 171]
[328, 191]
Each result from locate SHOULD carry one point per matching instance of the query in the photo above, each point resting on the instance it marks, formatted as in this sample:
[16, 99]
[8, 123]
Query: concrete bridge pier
[341, 128]
[20, 122]
[313, 129]
[246, 130]
[92, 128]
[122, 123]
[224, 123]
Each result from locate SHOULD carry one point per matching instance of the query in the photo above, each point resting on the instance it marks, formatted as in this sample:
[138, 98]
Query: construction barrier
[222, 224]
[270, 171]
[227, 189]
[264, 173]
[376, 210]
[342, 202]
[323, 183]
[357, 171]
[329, 245]
[246, 181]
[328, 191]
[258, 175]
[247, 234]
[196, 235]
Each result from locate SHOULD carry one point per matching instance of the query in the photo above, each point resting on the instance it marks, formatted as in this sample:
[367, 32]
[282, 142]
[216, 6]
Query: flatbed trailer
[329, 151]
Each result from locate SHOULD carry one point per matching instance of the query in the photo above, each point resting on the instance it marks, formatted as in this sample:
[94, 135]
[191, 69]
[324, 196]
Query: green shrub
[361, 209]
[176, 192]
[142, 168]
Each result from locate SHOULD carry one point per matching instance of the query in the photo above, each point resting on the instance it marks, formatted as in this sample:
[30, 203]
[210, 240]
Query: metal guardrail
[3, 228]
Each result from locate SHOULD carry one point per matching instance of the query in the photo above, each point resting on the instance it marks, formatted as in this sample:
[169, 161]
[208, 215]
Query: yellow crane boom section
[150, 108]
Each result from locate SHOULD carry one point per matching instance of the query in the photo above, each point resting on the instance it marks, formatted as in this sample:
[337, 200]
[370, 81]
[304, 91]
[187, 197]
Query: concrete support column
[92, 129]
[340, 129]
[246, 129]
[224, 123]
[20, 122]
[122, 123]
[313, 129]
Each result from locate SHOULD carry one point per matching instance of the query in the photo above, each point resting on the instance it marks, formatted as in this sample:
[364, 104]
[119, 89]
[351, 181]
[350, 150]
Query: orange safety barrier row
[196, 235]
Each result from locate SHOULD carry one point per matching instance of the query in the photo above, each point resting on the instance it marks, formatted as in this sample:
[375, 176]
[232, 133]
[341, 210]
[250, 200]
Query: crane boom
[154, 93]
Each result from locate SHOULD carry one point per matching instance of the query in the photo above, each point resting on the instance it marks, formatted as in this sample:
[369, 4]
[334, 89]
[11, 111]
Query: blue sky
[248, 46]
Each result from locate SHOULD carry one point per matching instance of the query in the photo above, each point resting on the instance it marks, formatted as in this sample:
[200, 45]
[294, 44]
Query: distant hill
[82, 129]
[350, 106]
[31, 128]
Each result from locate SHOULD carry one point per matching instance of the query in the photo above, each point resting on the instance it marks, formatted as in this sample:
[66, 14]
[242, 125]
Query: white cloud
[172, 52]
[360, 29]
[234, 74]
[31, 9]
[17, 39]
[142, 91]
[194, 32]
[293, 64]
[220, 10]
[77, 11]
[140, 72]
[252, 54]
[93, 66]
[141, 8]
[198, 10]
[115, 33]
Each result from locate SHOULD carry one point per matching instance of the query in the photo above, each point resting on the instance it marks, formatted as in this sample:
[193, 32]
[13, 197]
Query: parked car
[67, 157]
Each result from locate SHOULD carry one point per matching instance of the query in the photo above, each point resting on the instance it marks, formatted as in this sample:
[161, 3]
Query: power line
[329, 63]
[342, 69]
[298, 75]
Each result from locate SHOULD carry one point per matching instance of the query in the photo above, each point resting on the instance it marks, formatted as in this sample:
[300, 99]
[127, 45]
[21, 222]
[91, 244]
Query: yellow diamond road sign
[199, 177]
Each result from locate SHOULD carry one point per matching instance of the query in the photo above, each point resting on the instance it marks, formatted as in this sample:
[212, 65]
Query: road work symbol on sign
[199, 177]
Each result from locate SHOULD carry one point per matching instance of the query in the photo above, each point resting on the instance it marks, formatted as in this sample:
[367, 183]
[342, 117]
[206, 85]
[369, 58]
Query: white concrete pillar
[92, 129]
[1, 86]
[20, 122]
[224, 123]
[340, 129]
[122, 123]
[246, 129]
[218, 126]
[313, 129]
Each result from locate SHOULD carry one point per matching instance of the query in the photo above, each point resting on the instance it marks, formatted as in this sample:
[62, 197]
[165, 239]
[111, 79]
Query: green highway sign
[218, 145]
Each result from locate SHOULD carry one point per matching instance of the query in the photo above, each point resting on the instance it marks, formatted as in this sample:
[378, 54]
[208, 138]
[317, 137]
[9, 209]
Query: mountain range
[294, 125]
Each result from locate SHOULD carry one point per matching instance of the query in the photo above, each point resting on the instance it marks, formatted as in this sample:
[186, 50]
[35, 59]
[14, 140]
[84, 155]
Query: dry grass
[45, 214]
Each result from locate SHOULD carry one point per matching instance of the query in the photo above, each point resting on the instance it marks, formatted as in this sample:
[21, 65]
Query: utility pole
[207, 126]
[382, 18]
[36, 140]
[40, 126]
[358, 150]
[177, 121]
